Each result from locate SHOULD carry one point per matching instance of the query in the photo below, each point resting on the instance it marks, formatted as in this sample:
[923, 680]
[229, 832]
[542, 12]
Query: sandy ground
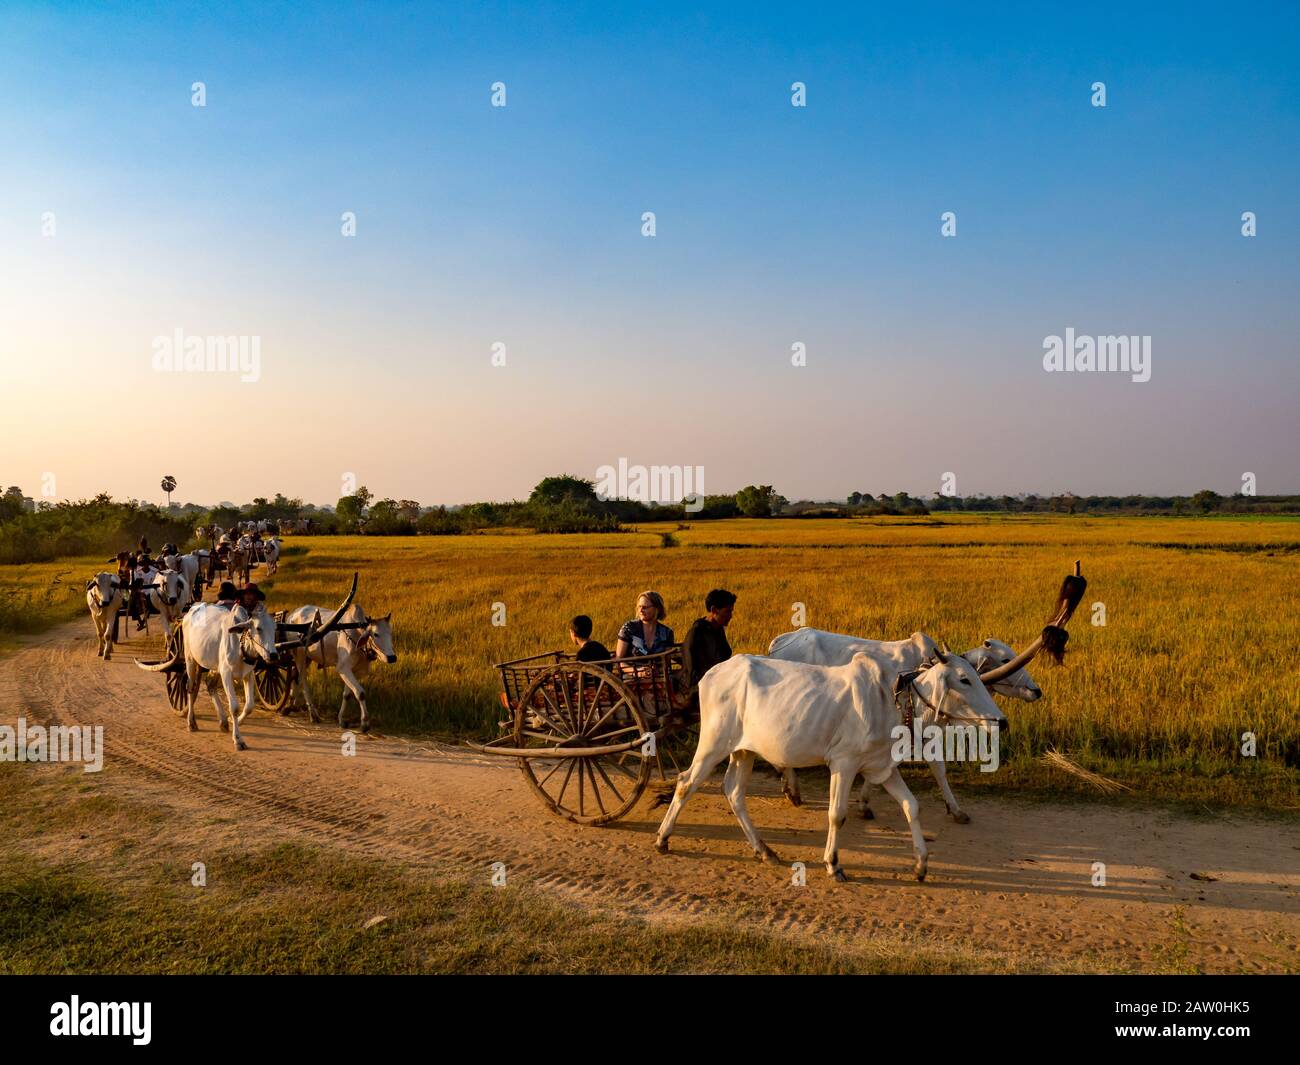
[1017, 879]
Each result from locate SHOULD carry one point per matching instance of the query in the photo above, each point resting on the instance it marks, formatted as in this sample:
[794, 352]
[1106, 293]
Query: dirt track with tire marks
[1015, 881]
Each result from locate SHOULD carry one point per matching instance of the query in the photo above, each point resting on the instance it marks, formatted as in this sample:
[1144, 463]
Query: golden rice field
[1198, 647]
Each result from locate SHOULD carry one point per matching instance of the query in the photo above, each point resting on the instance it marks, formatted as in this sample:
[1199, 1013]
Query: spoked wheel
[274, 684]
[580, 705]
[176, 679]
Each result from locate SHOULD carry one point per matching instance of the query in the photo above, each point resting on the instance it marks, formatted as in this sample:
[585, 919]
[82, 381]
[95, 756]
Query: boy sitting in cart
[589, 650]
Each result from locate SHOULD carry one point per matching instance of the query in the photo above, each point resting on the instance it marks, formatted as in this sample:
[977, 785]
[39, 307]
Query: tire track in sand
[1018, 879]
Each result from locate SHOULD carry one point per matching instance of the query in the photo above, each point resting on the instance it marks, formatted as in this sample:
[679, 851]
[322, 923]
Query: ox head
[171, 586]
[951, 685]
[256, 632]
[994, 653]
[105, 584]
[378, 637]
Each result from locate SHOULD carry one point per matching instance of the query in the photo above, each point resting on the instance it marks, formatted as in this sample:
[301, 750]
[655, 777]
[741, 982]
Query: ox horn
[333, 622]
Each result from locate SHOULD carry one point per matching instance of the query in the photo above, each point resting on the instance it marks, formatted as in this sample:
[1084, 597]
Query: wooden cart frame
[589, 736]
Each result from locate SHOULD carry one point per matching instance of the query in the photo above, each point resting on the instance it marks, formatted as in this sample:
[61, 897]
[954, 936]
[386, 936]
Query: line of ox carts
[238, 642]
[591, 737]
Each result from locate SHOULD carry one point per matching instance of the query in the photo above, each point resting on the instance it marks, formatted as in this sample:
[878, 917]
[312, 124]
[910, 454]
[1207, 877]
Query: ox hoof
[795, 798]
[767, 854]
[840, 876]
[193, 726]
[661, 845]
[920, 870]
[867, 814]
[225, 725]
[240, 745]
[365, 727]
[959, 817]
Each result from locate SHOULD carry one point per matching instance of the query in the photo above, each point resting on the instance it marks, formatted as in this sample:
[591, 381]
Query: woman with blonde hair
[645, 634]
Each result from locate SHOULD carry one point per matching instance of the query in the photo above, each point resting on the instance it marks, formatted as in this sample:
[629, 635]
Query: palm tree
[169, 486]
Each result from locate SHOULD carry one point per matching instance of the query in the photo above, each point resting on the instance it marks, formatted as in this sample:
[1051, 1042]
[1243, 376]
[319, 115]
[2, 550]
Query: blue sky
[775, 224]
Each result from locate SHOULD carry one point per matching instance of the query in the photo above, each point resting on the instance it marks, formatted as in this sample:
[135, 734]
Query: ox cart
[589, 736]
[273, 682]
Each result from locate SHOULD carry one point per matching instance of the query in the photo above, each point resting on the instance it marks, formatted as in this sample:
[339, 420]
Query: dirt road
[1017, 879]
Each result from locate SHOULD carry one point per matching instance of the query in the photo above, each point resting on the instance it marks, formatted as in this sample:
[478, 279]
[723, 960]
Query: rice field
[1198, 644]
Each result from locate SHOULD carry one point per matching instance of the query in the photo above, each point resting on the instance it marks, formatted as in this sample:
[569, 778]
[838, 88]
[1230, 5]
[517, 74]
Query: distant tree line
[37, 531]
[1203, 502]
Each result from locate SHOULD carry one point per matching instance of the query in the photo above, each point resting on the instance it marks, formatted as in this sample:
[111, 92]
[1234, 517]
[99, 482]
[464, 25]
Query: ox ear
[90, 584]
[240, 626]
[387, 617]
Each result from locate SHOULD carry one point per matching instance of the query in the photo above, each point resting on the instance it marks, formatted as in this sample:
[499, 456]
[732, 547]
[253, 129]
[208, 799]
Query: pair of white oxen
[228, 643]
[821, 698]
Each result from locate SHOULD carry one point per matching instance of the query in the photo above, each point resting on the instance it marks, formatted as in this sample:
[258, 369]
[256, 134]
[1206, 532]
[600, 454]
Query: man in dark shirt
[706, 640]
[589, 650]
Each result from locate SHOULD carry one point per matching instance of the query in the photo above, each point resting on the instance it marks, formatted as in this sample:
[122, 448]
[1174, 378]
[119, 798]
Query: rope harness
[905, 695]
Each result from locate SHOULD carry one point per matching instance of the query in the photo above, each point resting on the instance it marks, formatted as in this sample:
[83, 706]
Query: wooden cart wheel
[177, 692]
[274, 684]
[580, 705]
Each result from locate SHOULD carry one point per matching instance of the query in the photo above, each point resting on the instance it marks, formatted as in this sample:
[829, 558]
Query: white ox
[191, 568]
[103, 595]
[821, 648]
[349, 651]
[794, 714]
[271, 552]
[226, 642]
[168, 592]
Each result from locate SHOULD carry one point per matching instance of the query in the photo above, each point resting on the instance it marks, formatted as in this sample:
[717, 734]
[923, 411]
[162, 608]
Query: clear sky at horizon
[522, 225]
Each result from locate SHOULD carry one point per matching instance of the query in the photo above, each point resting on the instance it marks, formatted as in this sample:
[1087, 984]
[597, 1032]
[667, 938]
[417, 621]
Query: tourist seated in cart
[706, 642]
[645, 634]
[589, 650]
[251, 597]
[228, 595]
